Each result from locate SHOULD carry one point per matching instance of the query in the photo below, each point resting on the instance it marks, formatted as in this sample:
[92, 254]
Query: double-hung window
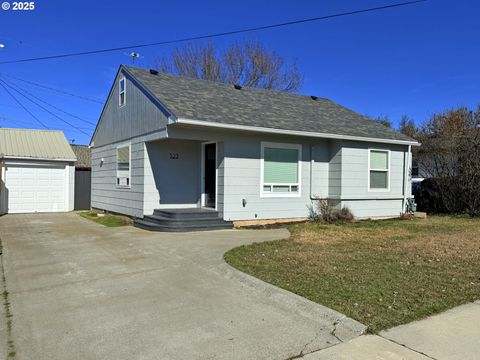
[379, 170]
[123, 166]
[280, 173]
[122, 91]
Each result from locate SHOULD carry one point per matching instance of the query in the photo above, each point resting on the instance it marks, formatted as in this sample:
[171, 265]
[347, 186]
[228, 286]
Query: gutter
[312, 163]
[291, 132]
[34, 158]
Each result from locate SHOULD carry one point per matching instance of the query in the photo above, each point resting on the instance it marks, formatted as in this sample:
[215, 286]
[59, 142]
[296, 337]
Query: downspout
[405, 176]
[312, 162]
[1, 185]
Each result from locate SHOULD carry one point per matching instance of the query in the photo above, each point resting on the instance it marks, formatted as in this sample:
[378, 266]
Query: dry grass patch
[382, 273]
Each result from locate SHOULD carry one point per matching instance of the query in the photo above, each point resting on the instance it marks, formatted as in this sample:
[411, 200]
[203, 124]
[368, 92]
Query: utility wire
[23, 123]
[20, 103]
[60, 91]
[26, 123]
[47, 103]
[43, 108]
[219, 34]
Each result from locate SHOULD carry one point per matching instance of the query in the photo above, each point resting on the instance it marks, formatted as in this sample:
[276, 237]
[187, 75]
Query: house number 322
[173, 156]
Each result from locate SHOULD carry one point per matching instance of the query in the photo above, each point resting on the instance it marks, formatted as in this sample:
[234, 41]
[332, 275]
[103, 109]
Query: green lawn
[382, 273]
[107, 220]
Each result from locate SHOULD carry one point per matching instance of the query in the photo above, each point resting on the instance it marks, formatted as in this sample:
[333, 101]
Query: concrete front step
[186, 213]
[169, 221]
[148, 225]
[180, 220]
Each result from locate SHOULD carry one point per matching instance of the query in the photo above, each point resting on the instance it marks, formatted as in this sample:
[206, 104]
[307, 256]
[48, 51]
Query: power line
[24, 108]
[28, 123]
[42, 107]
[209, 36]
[47, 103]
[60, 91]
[23, 123]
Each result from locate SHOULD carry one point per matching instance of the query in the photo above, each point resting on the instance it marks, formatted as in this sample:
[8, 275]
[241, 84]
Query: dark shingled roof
[221, 103]
[84, 156]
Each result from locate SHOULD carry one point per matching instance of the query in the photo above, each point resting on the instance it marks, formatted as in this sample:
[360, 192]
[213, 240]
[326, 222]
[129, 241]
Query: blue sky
[414, 60]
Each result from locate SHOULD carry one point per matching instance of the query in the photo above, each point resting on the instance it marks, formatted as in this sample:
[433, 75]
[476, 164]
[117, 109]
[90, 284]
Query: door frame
[202, 174]
[36, 164]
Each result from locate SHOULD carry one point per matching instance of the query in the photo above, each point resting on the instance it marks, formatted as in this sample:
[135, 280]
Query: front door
[210, 162]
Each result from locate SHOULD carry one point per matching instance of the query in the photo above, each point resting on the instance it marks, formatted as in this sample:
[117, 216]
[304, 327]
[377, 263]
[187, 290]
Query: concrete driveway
[78, 290]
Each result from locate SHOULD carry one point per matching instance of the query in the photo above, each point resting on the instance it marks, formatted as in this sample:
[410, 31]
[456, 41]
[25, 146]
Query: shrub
[324, 210]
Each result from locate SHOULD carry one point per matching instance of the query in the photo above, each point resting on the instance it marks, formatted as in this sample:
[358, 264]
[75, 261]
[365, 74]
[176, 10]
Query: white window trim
[129, 186]
[276, 145]
[124, 92]
[388, 171]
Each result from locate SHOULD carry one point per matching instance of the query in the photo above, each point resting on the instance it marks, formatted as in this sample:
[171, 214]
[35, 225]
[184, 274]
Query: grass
[107, 220]
[382, 273]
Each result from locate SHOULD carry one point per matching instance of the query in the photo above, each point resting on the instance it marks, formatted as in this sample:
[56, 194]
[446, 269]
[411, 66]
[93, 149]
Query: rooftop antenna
[134, 56]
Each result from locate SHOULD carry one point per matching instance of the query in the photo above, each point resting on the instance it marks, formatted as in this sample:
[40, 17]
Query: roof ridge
[226, 85]
[217, 102]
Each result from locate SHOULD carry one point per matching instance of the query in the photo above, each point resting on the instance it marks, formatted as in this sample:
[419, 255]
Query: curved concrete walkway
[78, 290]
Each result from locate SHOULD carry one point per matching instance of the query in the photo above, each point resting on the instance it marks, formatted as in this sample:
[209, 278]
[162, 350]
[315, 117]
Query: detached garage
[37, 172]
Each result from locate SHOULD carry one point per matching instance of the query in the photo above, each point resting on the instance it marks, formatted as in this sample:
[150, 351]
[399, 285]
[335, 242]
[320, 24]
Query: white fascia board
[36, 159]
[292, 132]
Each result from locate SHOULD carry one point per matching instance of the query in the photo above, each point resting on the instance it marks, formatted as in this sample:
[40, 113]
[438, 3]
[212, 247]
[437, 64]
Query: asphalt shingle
[221, 103]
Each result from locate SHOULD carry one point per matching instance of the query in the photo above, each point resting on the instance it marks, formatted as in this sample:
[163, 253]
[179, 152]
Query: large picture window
[379, 171]
[123, 166]
[280, 169]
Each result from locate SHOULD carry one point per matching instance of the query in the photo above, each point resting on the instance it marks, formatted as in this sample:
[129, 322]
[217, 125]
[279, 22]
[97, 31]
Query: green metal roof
[35, 144]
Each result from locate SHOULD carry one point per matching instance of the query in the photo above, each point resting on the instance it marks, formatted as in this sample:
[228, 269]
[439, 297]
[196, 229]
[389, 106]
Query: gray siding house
[167, 142]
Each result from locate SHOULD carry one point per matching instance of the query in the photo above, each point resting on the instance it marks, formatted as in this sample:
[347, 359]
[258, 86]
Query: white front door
[35, 188]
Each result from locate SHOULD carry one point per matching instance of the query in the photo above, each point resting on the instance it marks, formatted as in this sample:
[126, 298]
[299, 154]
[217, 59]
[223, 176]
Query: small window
[281, 169]
[122, 91]
[123, 166]
[415, 170]
[379, 170]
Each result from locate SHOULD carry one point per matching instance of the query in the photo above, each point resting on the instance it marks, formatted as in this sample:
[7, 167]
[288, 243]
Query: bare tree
[247, 64]
[383, 119]
[450, 157]
[407, 127]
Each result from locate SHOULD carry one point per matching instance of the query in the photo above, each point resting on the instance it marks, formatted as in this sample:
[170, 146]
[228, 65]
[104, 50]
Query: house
[37, 171]
[165, 142]
[83, 177]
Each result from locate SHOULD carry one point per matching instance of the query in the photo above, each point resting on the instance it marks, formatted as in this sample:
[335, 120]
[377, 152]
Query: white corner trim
[292, 132]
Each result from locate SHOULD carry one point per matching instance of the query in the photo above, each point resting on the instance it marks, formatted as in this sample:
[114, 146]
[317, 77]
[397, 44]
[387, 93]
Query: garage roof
[35, 144]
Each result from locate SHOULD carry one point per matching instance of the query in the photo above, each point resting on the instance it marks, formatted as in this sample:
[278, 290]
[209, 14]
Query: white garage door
[34, 188]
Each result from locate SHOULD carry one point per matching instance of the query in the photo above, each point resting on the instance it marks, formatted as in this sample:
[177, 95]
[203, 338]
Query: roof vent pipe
[236, 86]
[153, 72]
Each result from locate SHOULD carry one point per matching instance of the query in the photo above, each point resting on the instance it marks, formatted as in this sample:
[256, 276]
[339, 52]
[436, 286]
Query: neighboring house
[166, 142]
[83, 177]
[37, 171]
